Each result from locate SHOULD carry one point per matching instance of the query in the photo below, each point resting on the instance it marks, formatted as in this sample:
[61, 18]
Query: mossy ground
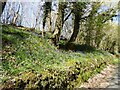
[29, 61]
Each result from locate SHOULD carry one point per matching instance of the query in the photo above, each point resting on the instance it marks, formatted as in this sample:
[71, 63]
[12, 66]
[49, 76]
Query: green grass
[31, 61]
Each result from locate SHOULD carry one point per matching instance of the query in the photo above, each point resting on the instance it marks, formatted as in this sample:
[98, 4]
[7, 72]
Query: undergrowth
[29, 61]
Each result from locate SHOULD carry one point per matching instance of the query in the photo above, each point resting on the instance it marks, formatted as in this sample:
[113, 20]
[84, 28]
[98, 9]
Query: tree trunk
[59, 23]
[76, 28]
[2, 6]
[77, 11]
[47, 12]
[49, 22]
[16, 16]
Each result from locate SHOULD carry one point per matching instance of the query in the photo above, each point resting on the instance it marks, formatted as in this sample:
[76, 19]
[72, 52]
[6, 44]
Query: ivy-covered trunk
[59, 23]
[47, 15]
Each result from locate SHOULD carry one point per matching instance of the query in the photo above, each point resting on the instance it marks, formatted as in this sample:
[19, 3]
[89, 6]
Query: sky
[31, 7]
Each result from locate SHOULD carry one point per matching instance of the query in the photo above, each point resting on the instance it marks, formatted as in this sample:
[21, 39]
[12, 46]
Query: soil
[107, 78]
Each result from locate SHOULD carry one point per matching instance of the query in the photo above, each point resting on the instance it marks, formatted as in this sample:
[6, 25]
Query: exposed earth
[108, 78]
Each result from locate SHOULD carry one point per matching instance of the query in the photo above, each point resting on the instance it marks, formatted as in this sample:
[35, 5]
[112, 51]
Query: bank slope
[29, 61]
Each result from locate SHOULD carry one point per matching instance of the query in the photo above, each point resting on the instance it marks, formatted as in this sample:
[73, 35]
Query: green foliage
[32, 62]
[98, 31]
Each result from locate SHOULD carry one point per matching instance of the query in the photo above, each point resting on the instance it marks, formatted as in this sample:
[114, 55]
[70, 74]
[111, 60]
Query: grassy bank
[29, 61]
